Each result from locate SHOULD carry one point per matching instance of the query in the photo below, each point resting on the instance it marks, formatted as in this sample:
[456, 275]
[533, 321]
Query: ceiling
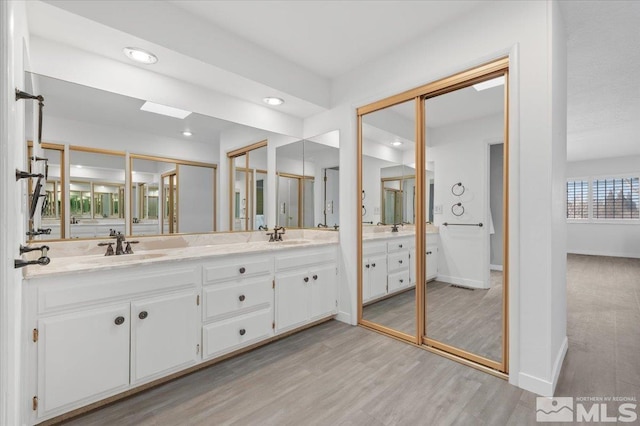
[295, 48]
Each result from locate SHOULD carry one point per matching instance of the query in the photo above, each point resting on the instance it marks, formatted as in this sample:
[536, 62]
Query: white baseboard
[601, 253]
[540, 386]
[495, 267]
[464, 282]
[344, 317]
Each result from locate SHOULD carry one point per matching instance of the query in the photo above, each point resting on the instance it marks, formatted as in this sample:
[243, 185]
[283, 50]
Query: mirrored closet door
[388, 220]
[434, 216]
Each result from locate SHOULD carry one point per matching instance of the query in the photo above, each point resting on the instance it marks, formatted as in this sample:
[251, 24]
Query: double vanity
[103, 326]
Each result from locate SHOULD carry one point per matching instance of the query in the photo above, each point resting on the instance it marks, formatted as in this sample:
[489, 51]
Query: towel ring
[364, 194]
[364, 210]
[457, 192]
[457, 209]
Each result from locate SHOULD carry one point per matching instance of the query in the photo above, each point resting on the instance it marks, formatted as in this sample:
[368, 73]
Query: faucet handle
[109, 248]
[128, 249]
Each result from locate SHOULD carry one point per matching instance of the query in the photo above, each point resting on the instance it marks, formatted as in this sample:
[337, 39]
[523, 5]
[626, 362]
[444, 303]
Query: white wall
[598, 238]
[529, 32]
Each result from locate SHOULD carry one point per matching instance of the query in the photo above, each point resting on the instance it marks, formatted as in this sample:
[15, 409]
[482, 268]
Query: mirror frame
[495, 68]
[231, 156]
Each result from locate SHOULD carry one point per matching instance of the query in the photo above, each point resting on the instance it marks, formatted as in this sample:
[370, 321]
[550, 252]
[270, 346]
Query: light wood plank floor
[463, 318]
[335, 374]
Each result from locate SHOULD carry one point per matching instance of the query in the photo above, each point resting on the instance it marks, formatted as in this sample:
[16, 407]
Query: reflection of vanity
[388, 261]
[105, 325]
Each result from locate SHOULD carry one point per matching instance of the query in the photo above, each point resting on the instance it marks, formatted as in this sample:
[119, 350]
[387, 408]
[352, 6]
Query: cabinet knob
[399, 245]
[401, 281]
[143, 314]
[306, 279]
[373, 265]
[241, 298]
[315, 277]
[367, 265]
[242, 270]
[399, 261]
[428, 252]
[119, 320]
[242, 331]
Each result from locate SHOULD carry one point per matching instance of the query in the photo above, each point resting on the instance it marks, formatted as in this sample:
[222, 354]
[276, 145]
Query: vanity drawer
[398, 280]
[399, 245]
[323, 256]
[228, 269]
[230, 299]
[398, 261]
[228, 335]
[369, 249]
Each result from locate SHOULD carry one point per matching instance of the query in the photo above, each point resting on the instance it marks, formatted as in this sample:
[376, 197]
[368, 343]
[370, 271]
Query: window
[615, 198]
[607, 198]
[578, 199]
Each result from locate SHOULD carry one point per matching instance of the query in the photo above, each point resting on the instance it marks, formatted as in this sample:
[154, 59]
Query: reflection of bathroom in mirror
[388, 216]
[308, 179]
[464, 147]
[249, 189]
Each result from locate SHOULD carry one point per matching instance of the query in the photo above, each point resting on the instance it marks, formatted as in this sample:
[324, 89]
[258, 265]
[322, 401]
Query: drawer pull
[373, 265]
[119, 320]
[399, 245]
[400, 261]
[143, 315]
[315, 277]
[401, 281]
[241, 298]
[242, 331]
[367, 265]
[306, 279]
[428, 252]
[243, 270]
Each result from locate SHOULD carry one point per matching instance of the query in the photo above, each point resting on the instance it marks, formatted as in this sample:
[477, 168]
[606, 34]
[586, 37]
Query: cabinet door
[432, 262]
[293, 294]
[378, 276]
[164, 334]
[82, 357]
[323, 290]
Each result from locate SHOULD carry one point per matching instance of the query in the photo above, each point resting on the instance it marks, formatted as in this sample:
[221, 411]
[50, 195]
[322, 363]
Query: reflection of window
[603, 198]
[260, 196]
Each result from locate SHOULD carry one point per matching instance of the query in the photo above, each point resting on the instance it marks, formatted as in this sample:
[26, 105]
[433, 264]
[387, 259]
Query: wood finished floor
[335, 374]
[467, 319]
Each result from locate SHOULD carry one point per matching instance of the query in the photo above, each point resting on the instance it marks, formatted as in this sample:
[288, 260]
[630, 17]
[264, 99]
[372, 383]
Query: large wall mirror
[121, 164]
[451, 187]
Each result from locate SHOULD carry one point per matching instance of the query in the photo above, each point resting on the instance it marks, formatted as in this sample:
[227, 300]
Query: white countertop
[69, 261]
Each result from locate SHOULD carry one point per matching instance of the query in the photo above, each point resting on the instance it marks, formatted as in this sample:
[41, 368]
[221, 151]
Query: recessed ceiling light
[494, 82]
[396, 143]
[140, 55]
[187, 133]
[270, 100]
[164, 110]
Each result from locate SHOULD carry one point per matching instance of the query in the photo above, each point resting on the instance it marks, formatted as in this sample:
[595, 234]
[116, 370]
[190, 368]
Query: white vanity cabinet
[432, 256]
[96, 335]
[305, 287]
[238, 303]
[374, 270]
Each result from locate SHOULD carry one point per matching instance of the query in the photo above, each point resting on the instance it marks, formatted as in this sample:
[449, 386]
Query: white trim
[603, 253]
[464, 282]
[544, 387]
[493, 267]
